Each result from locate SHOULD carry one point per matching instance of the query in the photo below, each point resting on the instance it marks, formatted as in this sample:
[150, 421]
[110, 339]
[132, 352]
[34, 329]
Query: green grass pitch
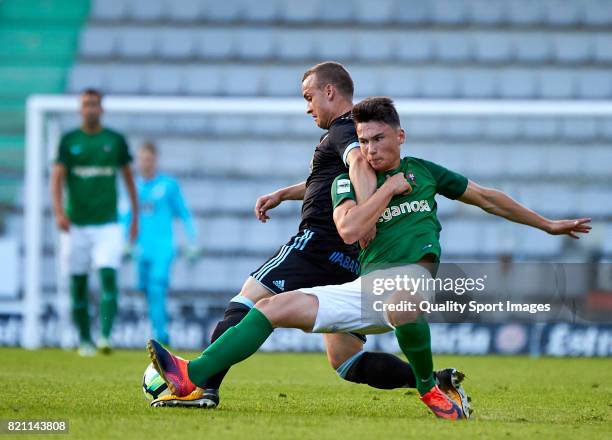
[298, 396]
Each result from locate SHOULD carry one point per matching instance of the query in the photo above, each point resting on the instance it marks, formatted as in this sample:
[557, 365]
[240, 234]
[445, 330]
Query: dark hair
[92, 91]
[378, 109]
[149, 147]
[330, 72]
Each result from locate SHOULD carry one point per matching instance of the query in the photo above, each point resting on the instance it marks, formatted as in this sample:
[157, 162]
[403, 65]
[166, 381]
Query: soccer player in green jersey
[87, 162]
[403, 209]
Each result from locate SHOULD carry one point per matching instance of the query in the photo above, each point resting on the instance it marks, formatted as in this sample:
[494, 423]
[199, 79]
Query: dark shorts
[308, 259]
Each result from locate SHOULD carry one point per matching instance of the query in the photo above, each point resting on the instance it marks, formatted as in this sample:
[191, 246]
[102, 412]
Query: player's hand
[63, 222]
[398, 184]
[570, 227]
[133, 229]
[191, 253]
[265, 203]
[367, 238]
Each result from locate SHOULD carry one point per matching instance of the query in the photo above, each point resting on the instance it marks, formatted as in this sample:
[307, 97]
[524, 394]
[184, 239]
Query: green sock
[415, 341]
[80, 306]
[235, 345]
[108, 304]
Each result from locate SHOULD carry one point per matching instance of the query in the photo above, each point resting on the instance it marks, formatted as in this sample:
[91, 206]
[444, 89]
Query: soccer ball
[153, 385]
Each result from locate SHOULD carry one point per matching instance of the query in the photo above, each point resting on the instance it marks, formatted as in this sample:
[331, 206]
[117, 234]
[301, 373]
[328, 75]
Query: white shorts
[348, 307]
[82, 245]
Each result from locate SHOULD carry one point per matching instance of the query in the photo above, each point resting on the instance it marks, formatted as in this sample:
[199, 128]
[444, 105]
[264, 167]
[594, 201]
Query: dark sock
[80, 306]
[108, 304]
[234, 313]
[381, 370]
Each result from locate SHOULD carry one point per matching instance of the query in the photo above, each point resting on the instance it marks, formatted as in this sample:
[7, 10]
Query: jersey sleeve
[448, 183]
[342, 190]
[344, 139]
[62, 156]
[180, 210]
[124, 152]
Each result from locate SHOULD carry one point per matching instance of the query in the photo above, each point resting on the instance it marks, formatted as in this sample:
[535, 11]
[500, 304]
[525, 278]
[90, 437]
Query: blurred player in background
[86, 164]
[160, 200]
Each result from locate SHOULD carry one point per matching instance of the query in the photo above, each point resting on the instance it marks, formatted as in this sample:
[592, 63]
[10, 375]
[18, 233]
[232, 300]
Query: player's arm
[498, 203]
[272, 200]
[180, 210]
[364, 178]
[354, 220]
[58, 176]
[128, 178]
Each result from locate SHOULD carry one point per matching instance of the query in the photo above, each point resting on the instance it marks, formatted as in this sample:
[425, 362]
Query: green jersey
[91, 162]
[408, 228]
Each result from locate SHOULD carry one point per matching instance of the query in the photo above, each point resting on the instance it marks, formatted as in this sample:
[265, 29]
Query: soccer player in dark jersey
[403, 209]
[87, 163]
[317, 255]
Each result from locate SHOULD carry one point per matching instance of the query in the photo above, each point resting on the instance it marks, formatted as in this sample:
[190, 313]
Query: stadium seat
[108, 9]
[460, 238]
[462, 128]
[414, 47]
[300, 11]
[448, 12]
[602, 48]
[202, 80]
[492, 47]
[283, 81]
[557, 84]
[597, 163]
[383, 11]
[242, 81]
[163, 80]
[595, 201]
[540, 128]
[221, 11]
[373, 46]
[400, 82]
[184, 10]
[598, 13]
[535, 243]
[595, 85]
[524, 12]
[342, 12]
[438, 83]
[367, 81]
[479, 84]
[334, 45]
[124, 79]
[175, 44]
[574, 49]
[255, 44]
[487, 12]
[96, 43]
[576, 129]
[452, 47]
[84, 76]
[136, 43]
[261, 11]
[295, 45]
[562, 13]
[145, 10]
[415, 13]
[532, 47]
[214, 43]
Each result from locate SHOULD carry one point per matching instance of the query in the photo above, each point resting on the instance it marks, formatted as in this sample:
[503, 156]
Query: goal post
[40, 134]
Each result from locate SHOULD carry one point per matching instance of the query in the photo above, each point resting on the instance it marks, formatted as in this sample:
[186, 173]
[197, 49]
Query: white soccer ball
[153, 385]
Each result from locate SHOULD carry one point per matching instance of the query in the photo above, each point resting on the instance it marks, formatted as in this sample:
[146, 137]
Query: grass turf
[298, 396]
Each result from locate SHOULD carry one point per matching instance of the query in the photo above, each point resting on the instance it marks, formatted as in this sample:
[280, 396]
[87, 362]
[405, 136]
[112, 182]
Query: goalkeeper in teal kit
[161, 201]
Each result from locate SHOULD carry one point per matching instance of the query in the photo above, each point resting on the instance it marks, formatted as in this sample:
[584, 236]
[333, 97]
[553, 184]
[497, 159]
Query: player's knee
[254, 291]
[336, 360]
[397, 318]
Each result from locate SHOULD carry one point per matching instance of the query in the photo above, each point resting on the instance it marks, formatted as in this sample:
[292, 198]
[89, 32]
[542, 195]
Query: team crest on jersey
[410, 176]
